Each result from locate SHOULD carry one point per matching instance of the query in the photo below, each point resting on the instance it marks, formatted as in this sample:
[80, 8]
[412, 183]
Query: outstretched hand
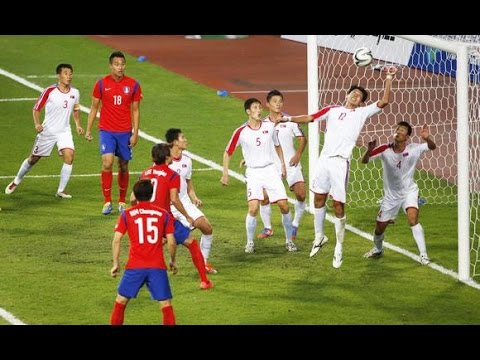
[425, 133]
[372, 145]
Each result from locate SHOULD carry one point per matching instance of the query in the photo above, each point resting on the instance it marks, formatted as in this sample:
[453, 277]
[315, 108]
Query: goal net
[425, 91]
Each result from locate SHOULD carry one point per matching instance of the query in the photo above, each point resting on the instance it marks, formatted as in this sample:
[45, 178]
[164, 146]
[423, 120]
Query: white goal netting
[423, 92]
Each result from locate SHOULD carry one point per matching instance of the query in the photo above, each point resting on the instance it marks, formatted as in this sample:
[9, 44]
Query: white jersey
[257, 144]
[398, 168]
[183, 167]
[286, 132]
[58, 109]
[343, 128]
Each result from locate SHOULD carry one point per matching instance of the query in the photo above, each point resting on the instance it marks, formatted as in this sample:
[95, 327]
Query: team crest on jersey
[283, 125]
[184, 165]
[126, 89]
[72, 96]
[265, 132]
[405, 154]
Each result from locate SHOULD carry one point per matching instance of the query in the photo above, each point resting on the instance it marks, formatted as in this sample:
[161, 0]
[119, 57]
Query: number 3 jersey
[58, 109]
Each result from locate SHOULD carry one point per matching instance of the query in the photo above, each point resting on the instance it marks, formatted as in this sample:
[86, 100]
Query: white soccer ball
[362, 56]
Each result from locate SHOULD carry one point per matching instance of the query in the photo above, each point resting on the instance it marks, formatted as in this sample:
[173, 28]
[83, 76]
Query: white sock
[24, 169]
[419, 237]
[299, 210]
[319, 218]
[287, 226]
[64, 177]
[205, 245]
[266, 215]
[340, 229]
[378, 240]
[251, 225]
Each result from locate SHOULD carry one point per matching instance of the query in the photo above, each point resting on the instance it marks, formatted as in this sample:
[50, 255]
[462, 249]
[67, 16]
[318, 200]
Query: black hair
[143, 190]
[273, 93]
[407, 125]
[172, 134]
[248, 103]
[362, 90]
[116, 54]
[63, 66]
[160, 152]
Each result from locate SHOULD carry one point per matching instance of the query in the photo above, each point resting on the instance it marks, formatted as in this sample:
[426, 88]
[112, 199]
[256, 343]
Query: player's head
[402, 132]
[161, 153]
[143, 190]
[405, 125]
[253, 107]
[275, 101]
[356, 90]
[60, 68]
[118, 55]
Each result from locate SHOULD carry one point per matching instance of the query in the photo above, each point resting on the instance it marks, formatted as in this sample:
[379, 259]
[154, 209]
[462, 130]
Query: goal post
[436, 83]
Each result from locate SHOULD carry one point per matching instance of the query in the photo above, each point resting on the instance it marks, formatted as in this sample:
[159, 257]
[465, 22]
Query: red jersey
[146, 224]
[163, 179]
[117, 98]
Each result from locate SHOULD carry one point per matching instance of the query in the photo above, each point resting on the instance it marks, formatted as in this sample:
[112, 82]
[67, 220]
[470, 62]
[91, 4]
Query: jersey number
[258, 142]
[148, 229]
[155, 184]
[117, 100]
[399, 164]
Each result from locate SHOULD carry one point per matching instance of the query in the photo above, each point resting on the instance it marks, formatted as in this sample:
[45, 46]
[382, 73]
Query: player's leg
[417, 231]
[255, 195]
[298, 189]
[159, 287]
[266, 216]
[66, 149]
[107, 150]
[42, 146]
[124, 154]
[129, 286]
[206, 239]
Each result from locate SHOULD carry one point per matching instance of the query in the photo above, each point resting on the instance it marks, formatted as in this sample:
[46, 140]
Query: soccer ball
[362, 56]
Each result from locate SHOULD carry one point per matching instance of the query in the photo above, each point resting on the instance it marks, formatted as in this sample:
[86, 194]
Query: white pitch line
[10, 317]
[240, 177]
[18, 99]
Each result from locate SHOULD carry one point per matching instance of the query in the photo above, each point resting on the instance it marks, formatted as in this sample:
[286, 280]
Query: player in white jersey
[330, 176]
[399, 160]
[60, 101]
[287, 133]
[257, 139]
[182, 164]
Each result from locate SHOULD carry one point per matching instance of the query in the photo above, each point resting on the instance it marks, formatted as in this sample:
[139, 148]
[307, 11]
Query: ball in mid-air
[362, 56]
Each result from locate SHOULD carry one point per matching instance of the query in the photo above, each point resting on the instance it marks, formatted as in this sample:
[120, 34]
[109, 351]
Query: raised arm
[384, 101]
[366, 157]
[425, 135]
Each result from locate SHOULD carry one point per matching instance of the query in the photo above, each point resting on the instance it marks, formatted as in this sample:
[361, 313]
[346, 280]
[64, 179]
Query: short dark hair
[160, 152]
[116, 54]
[63, 66]
[172, 134]
[143, 190]
[362, 90]
[248, 103]
[407, 125]
[273, 93]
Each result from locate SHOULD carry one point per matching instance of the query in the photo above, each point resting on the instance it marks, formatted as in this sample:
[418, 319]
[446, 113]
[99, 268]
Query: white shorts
[331, 176]
[294, 175]
[265, 178]
[43, 144]
[191, 209]
[389, 207]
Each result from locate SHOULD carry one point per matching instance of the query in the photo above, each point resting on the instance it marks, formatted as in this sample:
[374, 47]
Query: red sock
[123, 185]
[168, 315]
[117, 314]
[107, 185]
[198, 260]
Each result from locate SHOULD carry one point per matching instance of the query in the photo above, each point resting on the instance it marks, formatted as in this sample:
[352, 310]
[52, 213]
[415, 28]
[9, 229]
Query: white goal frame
[462, 82]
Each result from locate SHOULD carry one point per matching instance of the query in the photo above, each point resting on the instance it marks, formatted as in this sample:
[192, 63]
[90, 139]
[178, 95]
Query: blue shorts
[181, 232]
[156, 280]
[116, 143]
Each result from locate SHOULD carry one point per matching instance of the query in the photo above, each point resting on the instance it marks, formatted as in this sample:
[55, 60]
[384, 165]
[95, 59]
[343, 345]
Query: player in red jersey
[146, 225]
[166, 189]
[118, 126]
[60, 100]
